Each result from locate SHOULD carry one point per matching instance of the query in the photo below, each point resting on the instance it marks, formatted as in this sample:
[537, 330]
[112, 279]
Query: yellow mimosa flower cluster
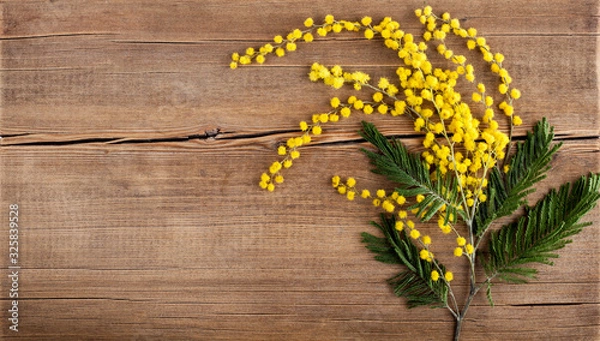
[455, 139]
[435, 276]
[460, 133]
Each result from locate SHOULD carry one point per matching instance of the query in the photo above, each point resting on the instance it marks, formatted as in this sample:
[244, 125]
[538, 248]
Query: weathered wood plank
[218, 20]
[297, 321]
[172, 240]
[131, 82]
[134, 152]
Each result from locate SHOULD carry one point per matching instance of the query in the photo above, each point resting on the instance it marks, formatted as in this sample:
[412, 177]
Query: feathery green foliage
[527, 166]
[412, 175]
[414, 283]
[533, 238]
[543, 229]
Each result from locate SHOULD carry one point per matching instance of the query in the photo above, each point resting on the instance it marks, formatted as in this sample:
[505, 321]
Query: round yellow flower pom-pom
[290, 46]
[388, 206]
[517, 120]
[415, 234]
[502, 88]
[426, 255]
[335, 181]
[399, 225]
[515, 93]
[377, 97]
[350, 195]
[275, 167]
[470, 249]
[265, 177]
[329, 19]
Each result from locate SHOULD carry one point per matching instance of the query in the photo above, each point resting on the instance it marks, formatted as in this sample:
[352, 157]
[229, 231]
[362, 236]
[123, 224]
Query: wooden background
[134, 153]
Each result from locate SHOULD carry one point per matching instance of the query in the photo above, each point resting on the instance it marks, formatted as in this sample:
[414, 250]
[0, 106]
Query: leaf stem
[474, 289]
[457, 328]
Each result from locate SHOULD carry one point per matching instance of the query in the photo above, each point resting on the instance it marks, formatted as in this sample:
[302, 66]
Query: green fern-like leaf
[527, 166]
[412, 175]
[542, 230]
[414, 283]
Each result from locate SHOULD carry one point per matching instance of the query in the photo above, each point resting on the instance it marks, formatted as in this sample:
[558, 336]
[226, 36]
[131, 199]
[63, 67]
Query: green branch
[408, 170]
[507, 192]
[414, 283]
[543, 229]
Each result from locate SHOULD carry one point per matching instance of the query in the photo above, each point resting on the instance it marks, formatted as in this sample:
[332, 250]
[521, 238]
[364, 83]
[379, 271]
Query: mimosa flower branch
[465, 178]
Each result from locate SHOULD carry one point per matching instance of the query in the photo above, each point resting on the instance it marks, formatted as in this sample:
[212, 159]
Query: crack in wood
[59, 35]
[219, 134]
[119, 140]
[555, 304]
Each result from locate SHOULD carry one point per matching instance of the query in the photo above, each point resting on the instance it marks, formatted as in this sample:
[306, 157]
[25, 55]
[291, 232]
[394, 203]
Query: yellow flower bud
[335, 181]
[470, 249]
[415, 234]
[350, 195]
[503, 88]
[515, 94]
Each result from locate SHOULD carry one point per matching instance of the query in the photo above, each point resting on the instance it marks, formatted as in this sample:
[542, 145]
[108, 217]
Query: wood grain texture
[134, 152]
